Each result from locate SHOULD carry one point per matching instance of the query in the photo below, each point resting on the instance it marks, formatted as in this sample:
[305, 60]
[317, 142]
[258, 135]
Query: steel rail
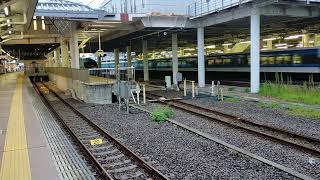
[235, 148]
[248, 125]
[93, 160]
[152, 171]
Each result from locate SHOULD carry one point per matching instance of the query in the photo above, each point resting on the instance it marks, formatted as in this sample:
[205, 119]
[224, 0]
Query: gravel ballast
[183, 154]
[271, 150]
[252, 111]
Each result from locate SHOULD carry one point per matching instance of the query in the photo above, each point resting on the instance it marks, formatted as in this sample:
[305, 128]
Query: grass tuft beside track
[291, 93]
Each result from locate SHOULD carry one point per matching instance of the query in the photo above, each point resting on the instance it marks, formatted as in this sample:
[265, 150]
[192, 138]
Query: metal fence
[203, 7]
[125, 73]
[96, 75]
[146, 7]
[74, 74]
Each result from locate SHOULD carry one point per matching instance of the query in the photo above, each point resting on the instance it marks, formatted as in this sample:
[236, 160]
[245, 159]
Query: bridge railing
[203, 7]
[145, 7]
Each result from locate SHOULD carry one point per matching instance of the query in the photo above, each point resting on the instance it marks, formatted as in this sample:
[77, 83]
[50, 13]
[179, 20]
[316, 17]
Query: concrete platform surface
[24, 152]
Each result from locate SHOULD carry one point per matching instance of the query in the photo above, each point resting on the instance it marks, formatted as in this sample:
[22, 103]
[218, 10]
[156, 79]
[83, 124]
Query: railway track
[308, 144]
[111, 158]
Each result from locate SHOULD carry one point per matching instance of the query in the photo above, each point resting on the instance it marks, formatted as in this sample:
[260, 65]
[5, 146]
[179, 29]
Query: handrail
[203, 7]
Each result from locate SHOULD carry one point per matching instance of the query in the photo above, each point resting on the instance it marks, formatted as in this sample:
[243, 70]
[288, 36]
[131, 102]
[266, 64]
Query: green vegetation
[231, 89]
[307, 93]
[232, 99]
[306, 112]
[295, 110]
[161, 113]
[272, 105]
[247, 90]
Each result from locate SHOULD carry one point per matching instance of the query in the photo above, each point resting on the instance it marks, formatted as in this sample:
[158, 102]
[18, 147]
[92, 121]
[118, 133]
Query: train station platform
[32, 145]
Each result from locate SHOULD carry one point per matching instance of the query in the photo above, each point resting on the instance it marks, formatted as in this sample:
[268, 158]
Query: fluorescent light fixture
[294, 37]
[35, 25]
[264, 49]
[42, 23]
[245, 42]
[281, 45]
[108, 22]
[102, 25]
[227, 44]
[189, 49]
[270, 39]
[8, 21]
[210, 47]
[311, 41]
[284, 47]
[91, 31]
[6, 11]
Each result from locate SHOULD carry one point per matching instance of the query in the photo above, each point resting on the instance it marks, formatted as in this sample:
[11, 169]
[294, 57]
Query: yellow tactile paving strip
[15, 159]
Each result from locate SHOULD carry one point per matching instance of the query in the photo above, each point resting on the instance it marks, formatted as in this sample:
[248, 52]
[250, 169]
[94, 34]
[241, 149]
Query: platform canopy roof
[67, 9]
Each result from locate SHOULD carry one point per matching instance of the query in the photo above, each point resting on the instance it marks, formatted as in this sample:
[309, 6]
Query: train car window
[279, 59]
[219, 61]
[227, 61]
[264, 60]
[287, 59]
[296, 59]
[211, 62]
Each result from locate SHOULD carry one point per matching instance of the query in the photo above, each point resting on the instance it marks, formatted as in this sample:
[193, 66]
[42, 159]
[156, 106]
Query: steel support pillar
[145, 60]
[201, 59]
[255, 52]
[129, 62]
[174, 58]
[64, 53]
[306, 40]
[269, 45]
[50, 59]
[116, 61]
[74, 50]
[57, 60]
